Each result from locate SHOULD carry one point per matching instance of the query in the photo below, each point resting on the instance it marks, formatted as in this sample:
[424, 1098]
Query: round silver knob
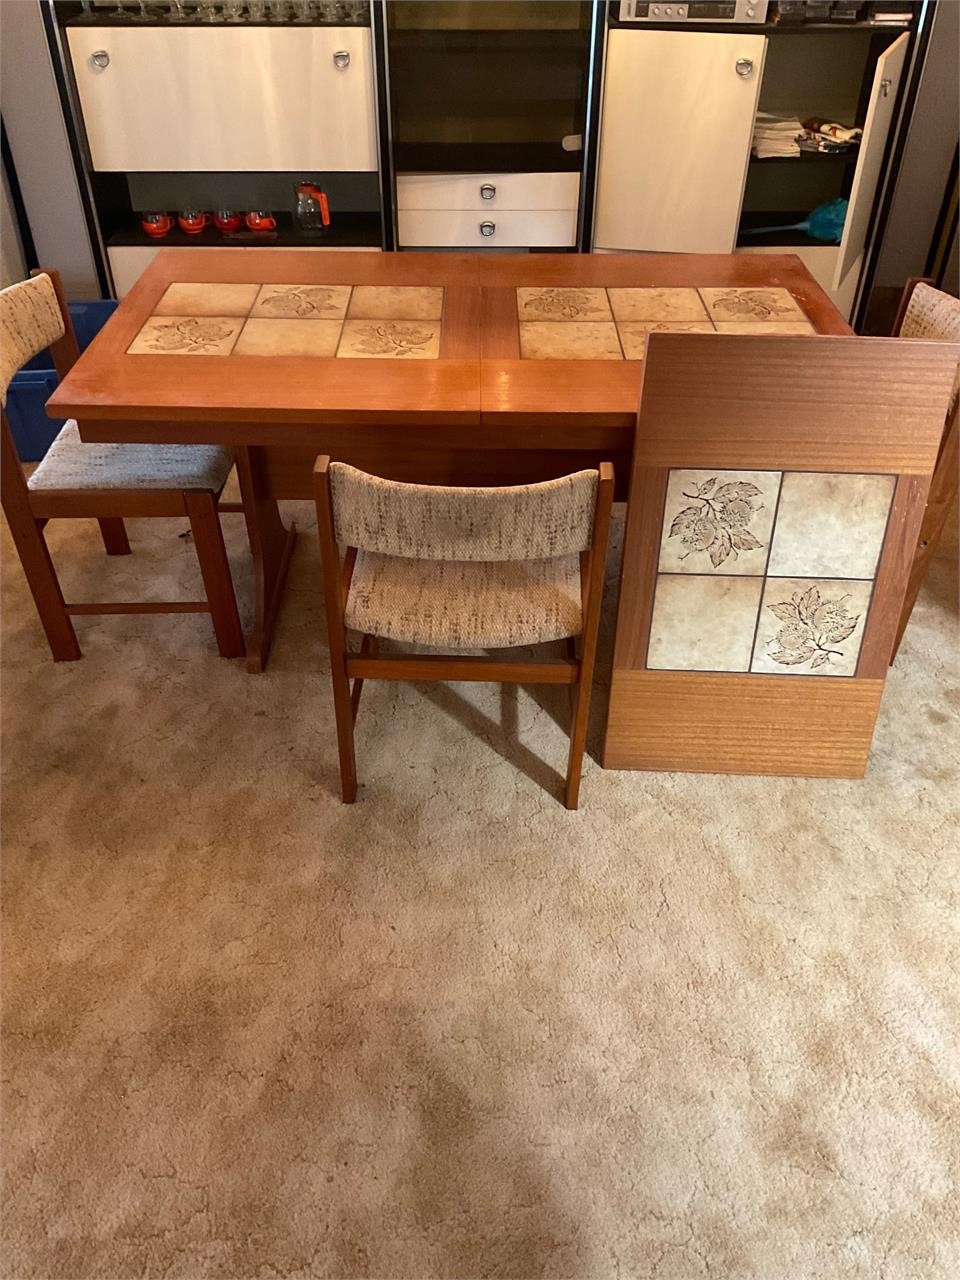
[341, 59]
[100, 58]
[487, 228]
[487, 191]
[744, 67]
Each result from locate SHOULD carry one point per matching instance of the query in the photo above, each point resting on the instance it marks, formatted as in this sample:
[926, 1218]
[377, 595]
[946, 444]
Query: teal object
[823, 223]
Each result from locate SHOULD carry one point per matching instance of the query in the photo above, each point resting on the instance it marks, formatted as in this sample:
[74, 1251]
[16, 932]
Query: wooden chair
[103, 481]
[462, 569]
[926, 312]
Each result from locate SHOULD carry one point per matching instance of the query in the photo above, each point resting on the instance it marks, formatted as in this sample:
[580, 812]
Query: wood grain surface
[704, 723]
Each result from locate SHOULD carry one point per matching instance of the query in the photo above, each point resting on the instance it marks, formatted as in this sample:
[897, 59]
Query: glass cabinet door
[488, 84]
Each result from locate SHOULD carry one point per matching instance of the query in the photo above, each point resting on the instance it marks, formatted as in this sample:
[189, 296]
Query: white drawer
[488, 190]
[511, 228]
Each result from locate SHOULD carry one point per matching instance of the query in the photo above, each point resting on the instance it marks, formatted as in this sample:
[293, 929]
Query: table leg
[271, 546]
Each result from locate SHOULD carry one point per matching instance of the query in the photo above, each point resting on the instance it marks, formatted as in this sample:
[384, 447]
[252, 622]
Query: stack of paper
[775, 136]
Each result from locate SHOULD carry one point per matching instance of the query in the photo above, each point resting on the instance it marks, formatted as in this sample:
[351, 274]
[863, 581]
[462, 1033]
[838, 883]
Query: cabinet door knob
[100, 58]
[487, 191]
[341, 59]
[487, 228]
[744, 67]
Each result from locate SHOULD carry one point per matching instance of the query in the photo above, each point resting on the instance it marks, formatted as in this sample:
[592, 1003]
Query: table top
[285, 336]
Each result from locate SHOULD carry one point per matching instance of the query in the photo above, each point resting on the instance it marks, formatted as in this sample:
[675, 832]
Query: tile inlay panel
[611, 324]
[810, 543]
[395, 322]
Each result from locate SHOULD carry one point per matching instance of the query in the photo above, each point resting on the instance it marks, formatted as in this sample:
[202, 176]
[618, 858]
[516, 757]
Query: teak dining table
[474, 413]
[438, 368]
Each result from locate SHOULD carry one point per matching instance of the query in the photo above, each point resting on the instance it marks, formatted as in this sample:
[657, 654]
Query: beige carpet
[706, 1027]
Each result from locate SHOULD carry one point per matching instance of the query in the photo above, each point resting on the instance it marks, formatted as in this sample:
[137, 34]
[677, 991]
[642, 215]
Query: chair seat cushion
[457, 604]
[71, 464]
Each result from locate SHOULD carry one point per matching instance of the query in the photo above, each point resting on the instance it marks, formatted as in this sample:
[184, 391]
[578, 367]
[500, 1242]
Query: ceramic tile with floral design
[811, 627]
[785, 328]
[390, 340]
[563, 304]
[288, 338]
[633, 333]
[186, 336]
[831, 525]
[747, 306]
[718, 522]
[207, 300]
[569, 341]
[302, 302]
[703, 624]
[395, 302]
[657, 304]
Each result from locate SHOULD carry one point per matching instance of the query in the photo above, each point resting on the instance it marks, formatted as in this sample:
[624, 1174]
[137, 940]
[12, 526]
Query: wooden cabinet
[235, 98]
[675, 134]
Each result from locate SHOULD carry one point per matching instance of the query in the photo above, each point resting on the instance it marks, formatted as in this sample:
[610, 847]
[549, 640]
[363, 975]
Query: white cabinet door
[873, 146]
[675, 135]
[168, 98]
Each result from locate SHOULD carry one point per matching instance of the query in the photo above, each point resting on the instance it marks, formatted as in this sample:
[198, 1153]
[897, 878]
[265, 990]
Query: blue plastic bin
[31, 388]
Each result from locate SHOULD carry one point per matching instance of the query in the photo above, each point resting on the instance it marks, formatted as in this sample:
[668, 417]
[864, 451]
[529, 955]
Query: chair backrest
[930, 313]
[434, 522]
[31, 320]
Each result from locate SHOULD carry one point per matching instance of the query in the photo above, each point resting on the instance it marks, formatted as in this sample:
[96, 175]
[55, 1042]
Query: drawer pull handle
[341, 60]
[487, 228]
[743, 68]
[487, 191]
[100, 59]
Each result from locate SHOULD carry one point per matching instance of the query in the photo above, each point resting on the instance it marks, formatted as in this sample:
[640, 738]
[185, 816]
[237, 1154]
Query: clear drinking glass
[177, 13]
[256, 10]
[144, 15]
[87, 15]
[301, 10]
[209, 11]
[232, 10]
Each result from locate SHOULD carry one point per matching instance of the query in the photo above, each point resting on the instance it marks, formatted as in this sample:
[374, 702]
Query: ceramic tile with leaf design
[718, 522]
[811, 626]
[569, 341]
[703, 624]
[186, 336]
[831, 524]
[390, 340]
[563, 304]
[302, 302]
[656, 304]
[747, 306]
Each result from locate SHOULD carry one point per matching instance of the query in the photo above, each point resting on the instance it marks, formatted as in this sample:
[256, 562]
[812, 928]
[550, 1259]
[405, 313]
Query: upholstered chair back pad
[30, 321]
[933, 314]
[432, 522]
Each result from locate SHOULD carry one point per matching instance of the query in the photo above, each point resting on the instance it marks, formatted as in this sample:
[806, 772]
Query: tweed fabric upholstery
[457, 604]
[433, 522]
[931, 313]
[30, 321]
[71, 464]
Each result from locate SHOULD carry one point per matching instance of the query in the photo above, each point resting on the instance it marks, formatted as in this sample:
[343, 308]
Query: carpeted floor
[705, 1027]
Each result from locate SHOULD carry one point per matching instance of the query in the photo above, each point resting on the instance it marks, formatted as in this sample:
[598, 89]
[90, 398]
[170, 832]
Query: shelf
[484, 157]
[810, 157]
[346, 231]
[770, 239]
[764, 28]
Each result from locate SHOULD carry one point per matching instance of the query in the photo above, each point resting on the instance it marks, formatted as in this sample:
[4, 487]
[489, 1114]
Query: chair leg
[45, 588]
[578, 739]
[343, 710]
[215, 569]
[114, 535]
